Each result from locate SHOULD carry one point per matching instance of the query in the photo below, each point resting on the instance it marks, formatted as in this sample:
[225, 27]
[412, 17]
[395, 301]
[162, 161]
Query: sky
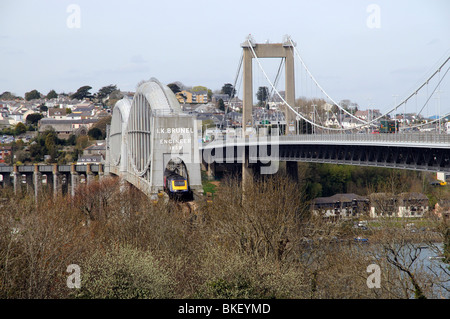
[371, 52]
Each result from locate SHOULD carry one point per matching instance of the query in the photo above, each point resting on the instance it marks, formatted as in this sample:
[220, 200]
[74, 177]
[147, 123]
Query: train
[177, 186]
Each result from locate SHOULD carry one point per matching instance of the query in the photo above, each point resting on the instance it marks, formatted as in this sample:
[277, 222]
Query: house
[90, 159]
[6, 122]
[98, 148]
[206, 108]
[412, 205]
[341, 206]
[216, 97]
[192, 97]
[57, 113]
[368, 114]
[332, 121]
[16, 117]
[400, 205]
[442, 209]
[64, 128]
[349, 123]
[93, 154]
[4, 152]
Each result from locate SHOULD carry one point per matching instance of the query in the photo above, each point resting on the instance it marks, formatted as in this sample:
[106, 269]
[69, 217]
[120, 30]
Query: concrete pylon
[16, 181]
[89, 174]
[73, 179]
[266, 50]
[56, 181]
[37, 181]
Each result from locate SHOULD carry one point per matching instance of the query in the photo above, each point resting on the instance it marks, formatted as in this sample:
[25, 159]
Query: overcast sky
[353, 50]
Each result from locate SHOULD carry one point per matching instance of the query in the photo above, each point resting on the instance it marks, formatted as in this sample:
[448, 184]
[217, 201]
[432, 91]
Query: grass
[209, 186]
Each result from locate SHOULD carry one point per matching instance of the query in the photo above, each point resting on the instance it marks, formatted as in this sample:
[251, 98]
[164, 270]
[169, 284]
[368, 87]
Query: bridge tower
[283, 50]
[149, 134]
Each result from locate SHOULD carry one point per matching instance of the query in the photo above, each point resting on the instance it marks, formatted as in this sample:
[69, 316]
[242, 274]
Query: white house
[404, 205]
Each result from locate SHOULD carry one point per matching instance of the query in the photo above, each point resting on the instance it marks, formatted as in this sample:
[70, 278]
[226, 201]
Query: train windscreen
[179, 183]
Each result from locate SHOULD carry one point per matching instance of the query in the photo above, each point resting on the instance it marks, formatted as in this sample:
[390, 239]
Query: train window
[179, 183]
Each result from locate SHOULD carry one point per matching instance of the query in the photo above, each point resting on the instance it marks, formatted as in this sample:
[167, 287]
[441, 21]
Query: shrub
[123, 273]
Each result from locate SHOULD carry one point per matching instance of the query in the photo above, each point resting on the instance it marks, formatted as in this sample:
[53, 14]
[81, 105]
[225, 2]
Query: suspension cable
[233, 93]
[279, 95]
[393, 109]
[366, 123]
[318, 85]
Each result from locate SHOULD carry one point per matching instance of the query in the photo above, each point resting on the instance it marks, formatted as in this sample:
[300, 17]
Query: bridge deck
[427, 152]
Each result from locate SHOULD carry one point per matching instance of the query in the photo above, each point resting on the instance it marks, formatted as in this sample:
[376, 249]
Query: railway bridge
[150, 135]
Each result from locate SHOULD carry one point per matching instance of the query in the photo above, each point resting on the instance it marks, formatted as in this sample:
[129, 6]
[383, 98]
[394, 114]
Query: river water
[436, 269]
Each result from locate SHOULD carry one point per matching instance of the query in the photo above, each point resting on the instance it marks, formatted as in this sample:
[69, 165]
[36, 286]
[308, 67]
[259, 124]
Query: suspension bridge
[260, 153]
[150, 135]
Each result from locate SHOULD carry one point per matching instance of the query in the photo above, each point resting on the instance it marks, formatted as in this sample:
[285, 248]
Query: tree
[101, 125]
[50, 144]
[52, 95]
[43, 108]
[350, 106]
[32, 95]
[228, 89]
[20, 128]
[262, 95]
[33, 118]
[82, 93]
[199, 88]
[105, 91]
[82, 142]
[95, 133]
[221, 105]
[8, 96]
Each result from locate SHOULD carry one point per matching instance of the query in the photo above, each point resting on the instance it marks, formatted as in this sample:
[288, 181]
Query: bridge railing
[407, 138]
[165, 112]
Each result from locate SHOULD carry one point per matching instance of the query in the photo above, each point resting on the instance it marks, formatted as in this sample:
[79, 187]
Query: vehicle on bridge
[388, 126]
[177, 186]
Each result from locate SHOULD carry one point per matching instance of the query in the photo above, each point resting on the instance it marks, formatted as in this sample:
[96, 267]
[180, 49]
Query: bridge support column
[247, 118]
[292, 170]
[6, 179]
[101, 173]
[29, 181]
[37, 181]
[268, 50]
[56, 181]
[16, 180]
[210, 170]
[247, 173]
[74, 176]
[290, 90]
[89, 174]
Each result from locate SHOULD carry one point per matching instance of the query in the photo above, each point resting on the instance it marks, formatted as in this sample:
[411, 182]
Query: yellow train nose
[179, 185]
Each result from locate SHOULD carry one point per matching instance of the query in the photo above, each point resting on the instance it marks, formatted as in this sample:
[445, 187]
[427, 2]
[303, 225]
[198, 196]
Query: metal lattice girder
[151, 99]
[427, 152]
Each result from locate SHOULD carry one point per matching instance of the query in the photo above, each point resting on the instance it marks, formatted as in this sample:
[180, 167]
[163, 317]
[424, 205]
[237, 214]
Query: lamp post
[438, 97]
[395, 105]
